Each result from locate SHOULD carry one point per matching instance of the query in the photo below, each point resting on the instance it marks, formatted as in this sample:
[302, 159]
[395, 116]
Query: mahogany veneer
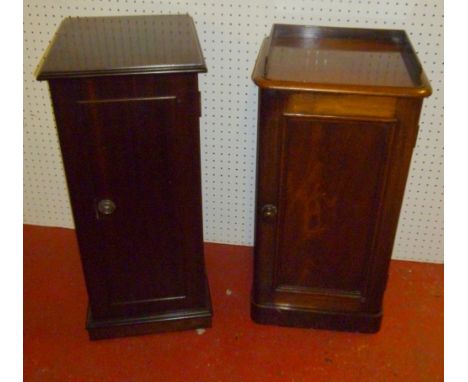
[127, 106]
[337, 123]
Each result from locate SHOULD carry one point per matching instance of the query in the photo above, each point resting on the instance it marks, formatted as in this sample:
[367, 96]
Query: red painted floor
[56, 347]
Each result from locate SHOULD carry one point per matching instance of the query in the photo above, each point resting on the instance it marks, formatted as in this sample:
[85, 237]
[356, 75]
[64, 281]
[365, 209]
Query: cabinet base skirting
[306, 318]
[186, 319]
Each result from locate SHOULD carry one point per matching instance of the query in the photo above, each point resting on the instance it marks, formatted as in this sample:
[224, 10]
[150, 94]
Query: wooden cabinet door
[142, 154]
[329, 176]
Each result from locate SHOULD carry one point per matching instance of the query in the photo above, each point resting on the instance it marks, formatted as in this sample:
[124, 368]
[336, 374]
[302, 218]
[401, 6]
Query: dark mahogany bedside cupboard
[337, 123]
[127, 107]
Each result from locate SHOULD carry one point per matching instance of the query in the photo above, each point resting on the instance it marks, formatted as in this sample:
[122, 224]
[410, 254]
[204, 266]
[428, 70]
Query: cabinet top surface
[95, 46]
[348, 60]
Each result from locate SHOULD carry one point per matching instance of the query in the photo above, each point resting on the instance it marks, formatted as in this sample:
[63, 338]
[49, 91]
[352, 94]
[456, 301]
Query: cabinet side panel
[407, 114]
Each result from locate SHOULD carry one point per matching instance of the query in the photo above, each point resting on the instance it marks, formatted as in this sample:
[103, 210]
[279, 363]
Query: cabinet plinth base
[306, 318]
[186, 319]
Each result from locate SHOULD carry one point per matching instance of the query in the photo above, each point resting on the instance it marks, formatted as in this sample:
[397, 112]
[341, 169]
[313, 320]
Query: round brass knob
[106, 206]
[269, 211]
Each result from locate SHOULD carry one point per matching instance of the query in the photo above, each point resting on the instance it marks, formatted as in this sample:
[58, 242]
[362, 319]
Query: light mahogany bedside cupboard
[337, 124]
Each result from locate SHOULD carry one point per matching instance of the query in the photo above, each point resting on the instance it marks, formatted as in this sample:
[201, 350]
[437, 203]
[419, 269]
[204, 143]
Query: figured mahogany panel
[332, 174]
[344, 105]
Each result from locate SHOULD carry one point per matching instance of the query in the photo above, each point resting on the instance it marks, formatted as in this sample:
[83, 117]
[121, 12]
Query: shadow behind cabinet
[127, 107]
[338, 120]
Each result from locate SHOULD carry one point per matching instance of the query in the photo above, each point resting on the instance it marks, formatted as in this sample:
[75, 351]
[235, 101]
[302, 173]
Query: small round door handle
[269, 211]
[106, 206]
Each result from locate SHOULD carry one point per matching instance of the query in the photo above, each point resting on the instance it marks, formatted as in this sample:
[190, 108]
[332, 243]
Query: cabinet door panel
[331, 180]
[137, 152]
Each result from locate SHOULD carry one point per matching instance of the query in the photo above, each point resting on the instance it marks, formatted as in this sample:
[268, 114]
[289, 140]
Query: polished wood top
[347, 60]
[96, 46]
